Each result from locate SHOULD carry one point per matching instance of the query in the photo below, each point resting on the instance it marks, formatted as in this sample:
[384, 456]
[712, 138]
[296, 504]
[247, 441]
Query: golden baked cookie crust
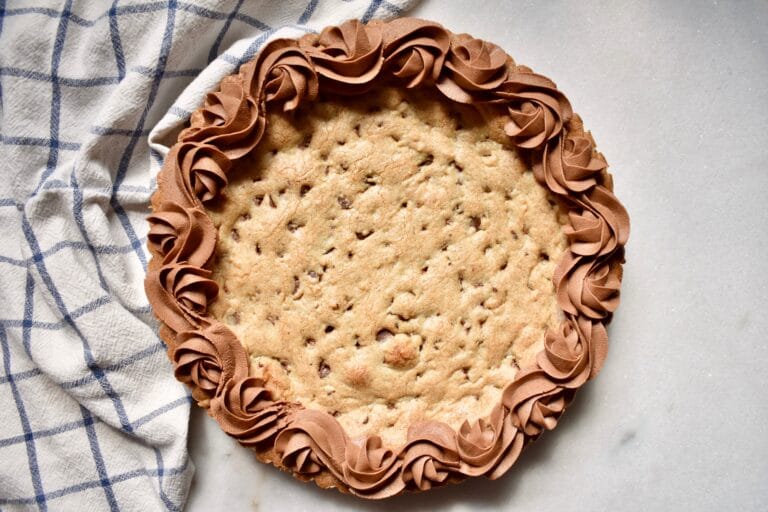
[383, 260]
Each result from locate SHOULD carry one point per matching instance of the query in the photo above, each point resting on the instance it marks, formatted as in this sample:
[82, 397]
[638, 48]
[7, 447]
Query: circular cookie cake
[384, 256]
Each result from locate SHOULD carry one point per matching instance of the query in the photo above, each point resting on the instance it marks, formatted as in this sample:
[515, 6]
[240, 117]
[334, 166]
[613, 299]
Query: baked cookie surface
[383, 289]
[384, 260]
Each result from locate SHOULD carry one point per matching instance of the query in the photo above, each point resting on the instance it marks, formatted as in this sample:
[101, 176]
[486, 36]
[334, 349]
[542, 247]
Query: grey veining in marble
[676, 94]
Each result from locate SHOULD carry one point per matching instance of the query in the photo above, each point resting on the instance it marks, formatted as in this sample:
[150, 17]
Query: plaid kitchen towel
[92, 94]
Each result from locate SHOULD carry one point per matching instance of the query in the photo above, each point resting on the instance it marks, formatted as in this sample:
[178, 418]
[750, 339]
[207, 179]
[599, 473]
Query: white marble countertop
[676, 94]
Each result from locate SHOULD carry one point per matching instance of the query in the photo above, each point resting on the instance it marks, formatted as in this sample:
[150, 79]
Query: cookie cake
[385, 256]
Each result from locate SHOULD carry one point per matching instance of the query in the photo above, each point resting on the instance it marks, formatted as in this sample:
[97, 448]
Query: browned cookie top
[384, 260]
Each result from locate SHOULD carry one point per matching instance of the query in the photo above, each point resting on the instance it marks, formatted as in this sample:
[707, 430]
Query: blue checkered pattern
[92, 94]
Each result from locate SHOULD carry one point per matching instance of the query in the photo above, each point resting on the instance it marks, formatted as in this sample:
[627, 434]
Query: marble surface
[675, 94]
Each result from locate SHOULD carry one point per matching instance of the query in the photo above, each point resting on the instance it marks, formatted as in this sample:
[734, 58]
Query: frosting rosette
[537, 110]
[588, 287]
[194, 173]
[371, 470]
[430, 455]
[223, 111]
[535, 402]
[601, 227]
[570, 163]
[206, 359]
[180, 294]
[347, 57]
[206, 169]
[414, 50]
[246, 411]
[473, 68]
[221, 108]
[191, 286]
[573, 354]
[489, 447]
[182, 234]
[230, 120]
[312, 441]
[589, 233]
[283, 75]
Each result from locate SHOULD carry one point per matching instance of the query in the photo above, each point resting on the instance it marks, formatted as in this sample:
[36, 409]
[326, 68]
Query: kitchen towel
[92, 94]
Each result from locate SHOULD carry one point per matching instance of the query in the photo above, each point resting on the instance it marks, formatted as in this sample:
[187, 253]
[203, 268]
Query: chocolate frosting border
[349, 59]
